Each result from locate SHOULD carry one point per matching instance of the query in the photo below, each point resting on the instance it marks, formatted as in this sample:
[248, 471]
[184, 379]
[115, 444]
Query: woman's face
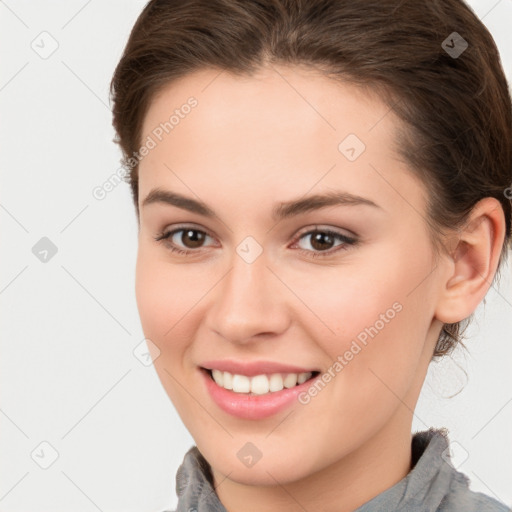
[346, 288]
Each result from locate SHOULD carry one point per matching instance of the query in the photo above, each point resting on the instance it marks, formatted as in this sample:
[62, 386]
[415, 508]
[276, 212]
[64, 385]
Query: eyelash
[347, 241]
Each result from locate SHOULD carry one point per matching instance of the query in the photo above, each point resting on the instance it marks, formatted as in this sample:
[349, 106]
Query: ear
[474, 256]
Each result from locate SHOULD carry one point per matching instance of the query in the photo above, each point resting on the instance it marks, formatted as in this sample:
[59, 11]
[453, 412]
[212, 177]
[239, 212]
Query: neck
[378, 464]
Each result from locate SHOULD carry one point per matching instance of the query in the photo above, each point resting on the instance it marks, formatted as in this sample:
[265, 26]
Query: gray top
[432, 485]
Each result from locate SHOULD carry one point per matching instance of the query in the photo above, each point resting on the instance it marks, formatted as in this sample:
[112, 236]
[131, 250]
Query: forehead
[282, 123]
[276, 96]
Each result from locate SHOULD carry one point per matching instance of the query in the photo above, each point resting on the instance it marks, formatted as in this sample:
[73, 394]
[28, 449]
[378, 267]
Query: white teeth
[227, 380]
[276, 382]
[218, 377]
[241, 384]
[259, 384]
[303, 377]
[290, 380]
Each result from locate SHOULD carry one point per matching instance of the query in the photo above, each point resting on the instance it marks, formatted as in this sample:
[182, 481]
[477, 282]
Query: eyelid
[165, 234]
[304, 231]
[319, 227]
[347, 241]
[184, 227]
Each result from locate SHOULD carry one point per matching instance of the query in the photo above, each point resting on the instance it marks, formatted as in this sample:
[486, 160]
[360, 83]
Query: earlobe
[473, 262]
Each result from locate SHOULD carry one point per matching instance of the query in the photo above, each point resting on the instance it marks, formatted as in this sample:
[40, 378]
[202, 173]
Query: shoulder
[434, 482]
[462, 499]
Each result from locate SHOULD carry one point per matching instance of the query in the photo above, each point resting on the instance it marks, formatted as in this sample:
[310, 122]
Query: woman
[321, 192]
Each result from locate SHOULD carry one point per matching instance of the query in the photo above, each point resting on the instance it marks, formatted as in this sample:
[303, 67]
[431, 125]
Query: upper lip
[252, 368]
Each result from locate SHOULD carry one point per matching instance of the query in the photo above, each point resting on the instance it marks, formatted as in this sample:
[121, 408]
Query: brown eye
[192, 238]
[321, 241]
[183, 240]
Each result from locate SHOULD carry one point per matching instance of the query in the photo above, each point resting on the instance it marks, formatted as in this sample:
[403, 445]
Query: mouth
[262, 384]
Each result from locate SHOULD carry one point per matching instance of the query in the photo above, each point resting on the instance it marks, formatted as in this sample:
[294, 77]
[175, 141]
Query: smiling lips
[260, 403]
[259, 384]
[256, 377]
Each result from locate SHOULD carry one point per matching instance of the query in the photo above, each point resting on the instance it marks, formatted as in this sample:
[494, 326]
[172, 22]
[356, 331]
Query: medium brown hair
[455, 109]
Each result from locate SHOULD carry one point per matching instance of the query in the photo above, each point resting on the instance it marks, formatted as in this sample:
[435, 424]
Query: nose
[249, 303]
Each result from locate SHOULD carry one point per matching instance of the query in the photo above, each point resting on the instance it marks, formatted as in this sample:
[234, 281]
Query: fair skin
[253, 142]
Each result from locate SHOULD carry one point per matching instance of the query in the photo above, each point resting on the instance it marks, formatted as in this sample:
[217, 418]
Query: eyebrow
[281, 211]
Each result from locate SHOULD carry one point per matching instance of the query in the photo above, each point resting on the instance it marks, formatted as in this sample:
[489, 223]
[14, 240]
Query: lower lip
[253, 407]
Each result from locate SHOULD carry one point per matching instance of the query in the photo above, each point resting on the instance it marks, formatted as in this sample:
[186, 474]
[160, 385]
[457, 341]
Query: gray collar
[423, 489]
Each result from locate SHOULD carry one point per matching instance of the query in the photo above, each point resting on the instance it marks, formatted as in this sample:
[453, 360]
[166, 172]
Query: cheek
[372, 324]
[152, 293]
[165, 294]
[367, 297]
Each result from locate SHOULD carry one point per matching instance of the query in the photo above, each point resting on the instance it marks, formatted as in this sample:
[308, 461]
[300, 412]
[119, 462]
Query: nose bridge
[246, 302]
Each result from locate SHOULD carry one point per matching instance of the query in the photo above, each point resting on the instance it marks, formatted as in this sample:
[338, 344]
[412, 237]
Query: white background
[70, 325]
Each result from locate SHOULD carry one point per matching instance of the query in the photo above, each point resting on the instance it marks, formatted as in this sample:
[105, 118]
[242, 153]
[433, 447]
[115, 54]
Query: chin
[267, 471]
